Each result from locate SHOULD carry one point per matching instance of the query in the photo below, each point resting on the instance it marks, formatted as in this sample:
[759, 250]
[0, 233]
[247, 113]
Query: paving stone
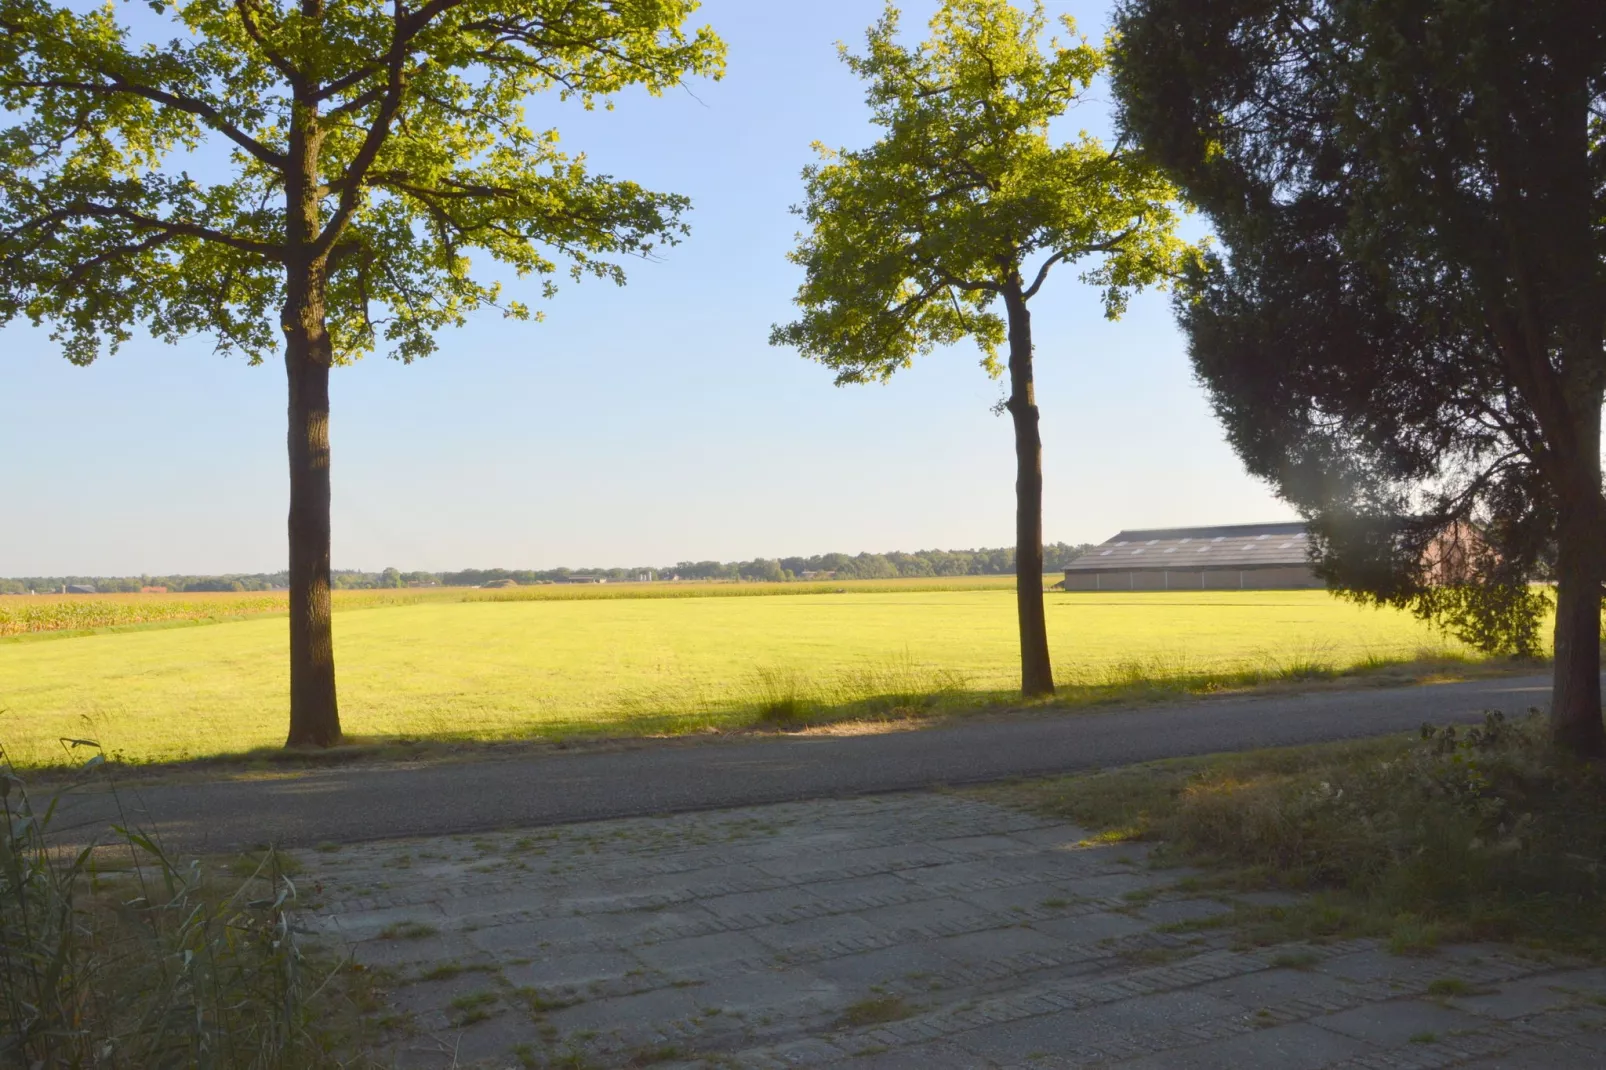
[882, 884]
[1113, 885]
[979, 845]
[908, 966]
[1263, 988]
[761, 904]
[990, 944]
[527, 939]
[1051, 836]
[1287, 1047]
[1179, 911]
[701, 950]
[794, 993]
[1397, 1021]
[572, 969]
[1518, 999]
[924, 914]
[792, 863]
[1090, 928]
[1362, 967]
[938, 1055]
[1559, 1055]
[744, 937]
[1048, 1034]
[1027, 897]
[815, 933]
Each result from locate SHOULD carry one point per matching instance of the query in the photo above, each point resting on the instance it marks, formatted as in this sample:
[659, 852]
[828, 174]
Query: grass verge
[117, 955]
[1457, 835]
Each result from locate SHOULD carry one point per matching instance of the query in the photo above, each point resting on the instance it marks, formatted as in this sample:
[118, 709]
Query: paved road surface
[360, 804]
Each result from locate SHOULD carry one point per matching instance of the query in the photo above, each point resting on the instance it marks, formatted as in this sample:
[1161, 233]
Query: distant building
[582, 579]
[1230, 557]
[78, 588]
[153, 590]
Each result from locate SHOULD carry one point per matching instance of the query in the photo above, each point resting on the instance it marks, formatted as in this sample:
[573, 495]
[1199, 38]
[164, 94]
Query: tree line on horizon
[863, 566]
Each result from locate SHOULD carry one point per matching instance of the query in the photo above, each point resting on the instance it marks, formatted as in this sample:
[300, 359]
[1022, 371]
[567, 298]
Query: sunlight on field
[512, 668]
[44, 613]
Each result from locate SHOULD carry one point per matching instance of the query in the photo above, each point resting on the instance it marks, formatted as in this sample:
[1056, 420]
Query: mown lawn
[548, 668]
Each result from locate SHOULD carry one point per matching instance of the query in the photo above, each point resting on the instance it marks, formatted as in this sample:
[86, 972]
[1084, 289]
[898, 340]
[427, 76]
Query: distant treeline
[833, 566]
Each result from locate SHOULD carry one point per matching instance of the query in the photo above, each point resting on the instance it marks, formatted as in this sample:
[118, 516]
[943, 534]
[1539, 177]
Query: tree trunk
[1575, 711]
[314, 714]
[1036, 672]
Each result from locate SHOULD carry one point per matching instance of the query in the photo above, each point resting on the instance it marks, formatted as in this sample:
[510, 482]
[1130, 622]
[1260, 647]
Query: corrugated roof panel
[1221, 547]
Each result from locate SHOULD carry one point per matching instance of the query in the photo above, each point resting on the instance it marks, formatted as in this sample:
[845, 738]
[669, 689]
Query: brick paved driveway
[898, 931]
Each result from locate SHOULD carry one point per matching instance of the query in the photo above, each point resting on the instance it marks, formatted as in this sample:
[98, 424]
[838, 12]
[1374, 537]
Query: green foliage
[865, 566]
[1480, 833]
[119, 956]
[1403, 335]
[358, 149]
[912, 240]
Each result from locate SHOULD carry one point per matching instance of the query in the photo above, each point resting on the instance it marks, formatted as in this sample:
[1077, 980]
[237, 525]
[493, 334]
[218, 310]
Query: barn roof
[1193, 549]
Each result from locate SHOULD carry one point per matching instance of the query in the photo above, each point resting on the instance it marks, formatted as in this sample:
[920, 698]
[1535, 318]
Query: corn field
[24, 615]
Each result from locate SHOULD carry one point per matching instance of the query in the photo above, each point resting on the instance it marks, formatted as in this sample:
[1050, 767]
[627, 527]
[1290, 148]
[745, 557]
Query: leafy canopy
[175, 182]
[1405, 334]
[912, 240]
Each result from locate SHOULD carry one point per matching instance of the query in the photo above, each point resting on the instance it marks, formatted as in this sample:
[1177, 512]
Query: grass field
[54, 615]
[547, 667]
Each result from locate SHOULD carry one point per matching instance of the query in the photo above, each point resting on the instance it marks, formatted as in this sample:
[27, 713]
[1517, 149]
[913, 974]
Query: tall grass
[116, 955]
[1463, 834]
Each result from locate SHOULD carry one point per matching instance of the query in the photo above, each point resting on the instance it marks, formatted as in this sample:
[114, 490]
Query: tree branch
[189, 105]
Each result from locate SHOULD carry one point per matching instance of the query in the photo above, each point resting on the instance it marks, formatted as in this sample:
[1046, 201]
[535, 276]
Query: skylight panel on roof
[1285, 546]
[1218, 538]
[1107, 553]
[1171, 549]
[1137, 552]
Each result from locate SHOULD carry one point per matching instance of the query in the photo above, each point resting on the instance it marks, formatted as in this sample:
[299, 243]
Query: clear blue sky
[641, 425]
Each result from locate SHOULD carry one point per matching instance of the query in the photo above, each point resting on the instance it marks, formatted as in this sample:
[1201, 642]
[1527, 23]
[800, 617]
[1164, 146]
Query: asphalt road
[355, 804]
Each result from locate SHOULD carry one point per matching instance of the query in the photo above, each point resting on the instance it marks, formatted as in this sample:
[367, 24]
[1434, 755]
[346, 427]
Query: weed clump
[1481, 833]
[116, 955]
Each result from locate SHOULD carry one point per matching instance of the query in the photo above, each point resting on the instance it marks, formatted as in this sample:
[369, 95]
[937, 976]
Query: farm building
[1231, 557]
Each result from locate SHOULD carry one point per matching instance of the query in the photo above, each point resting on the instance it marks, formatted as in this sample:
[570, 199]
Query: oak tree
[965, 203]
[1405, 335]
[313, 177]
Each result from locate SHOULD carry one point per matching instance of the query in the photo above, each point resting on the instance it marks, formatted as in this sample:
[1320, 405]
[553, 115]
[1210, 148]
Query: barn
[1230, 557]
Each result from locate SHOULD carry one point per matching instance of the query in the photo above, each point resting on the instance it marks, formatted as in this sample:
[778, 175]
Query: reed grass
[114, 954]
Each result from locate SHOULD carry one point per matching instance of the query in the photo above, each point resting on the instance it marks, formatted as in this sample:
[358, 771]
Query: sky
[639, 425]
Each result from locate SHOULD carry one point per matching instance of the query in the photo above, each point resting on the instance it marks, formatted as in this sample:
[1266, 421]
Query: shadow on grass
[895, 694]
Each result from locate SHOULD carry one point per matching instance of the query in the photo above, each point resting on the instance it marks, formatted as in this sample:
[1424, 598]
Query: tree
[1406, 335]
[368, 152]
[966, 202]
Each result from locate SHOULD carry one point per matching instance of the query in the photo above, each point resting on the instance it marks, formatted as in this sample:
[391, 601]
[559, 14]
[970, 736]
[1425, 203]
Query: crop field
[447, 668]
[60, 613]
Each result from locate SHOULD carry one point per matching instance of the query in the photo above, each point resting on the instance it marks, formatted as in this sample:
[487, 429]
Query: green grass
[508, 668]
[1457, 835]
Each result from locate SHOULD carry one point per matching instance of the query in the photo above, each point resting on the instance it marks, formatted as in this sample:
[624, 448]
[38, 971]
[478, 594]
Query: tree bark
[1036, 671]
[314, 712]
[1575, 710]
